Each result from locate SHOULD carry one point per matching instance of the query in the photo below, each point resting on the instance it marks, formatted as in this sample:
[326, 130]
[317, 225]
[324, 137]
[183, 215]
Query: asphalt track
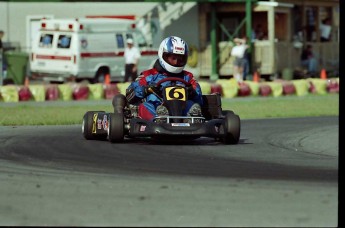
[284, 172]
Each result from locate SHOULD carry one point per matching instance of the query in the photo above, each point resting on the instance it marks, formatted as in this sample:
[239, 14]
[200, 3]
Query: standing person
[308, 59]
[325, 29]
[258, 32]
[240, 61]
[2, 62]
[2, 33]
[172, 58]
[246, 59]
[132, 56]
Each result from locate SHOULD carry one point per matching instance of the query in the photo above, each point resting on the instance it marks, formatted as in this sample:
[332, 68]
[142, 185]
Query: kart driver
[172, 58]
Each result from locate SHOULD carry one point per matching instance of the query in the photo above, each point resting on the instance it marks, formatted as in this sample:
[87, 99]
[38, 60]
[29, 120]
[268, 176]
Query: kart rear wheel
[116, 127]
[88, 124]
[232, 128]
[224, 112]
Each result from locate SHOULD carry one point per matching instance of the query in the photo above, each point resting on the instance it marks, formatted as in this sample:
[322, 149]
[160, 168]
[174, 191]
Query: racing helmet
[176, 46]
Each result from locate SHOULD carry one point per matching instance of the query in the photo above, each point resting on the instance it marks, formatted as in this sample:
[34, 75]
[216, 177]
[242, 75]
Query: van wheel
[100, 76]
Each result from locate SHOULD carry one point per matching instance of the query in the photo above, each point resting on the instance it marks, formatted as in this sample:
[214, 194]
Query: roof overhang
[275, 4]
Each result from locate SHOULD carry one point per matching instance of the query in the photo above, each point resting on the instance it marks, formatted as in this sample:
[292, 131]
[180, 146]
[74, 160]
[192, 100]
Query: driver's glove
[191, 91]
[151, 89]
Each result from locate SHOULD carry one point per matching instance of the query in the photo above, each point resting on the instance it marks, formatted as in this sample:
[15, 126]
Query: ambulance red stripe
[53, 57]
[112, 54]
[100, 54]
[92, 55]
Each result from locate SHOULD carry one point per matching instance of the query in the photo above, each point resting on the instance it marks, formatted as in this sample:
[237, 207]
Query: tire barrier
[37, 92]
[24, 94]
[96, 91]
[276, 87]
[265, 90]
[319, 86]
[110, 91]
[243, 90]
[52, 93]
[254, 88]
[288, 88]
[216, 88]
[205, 87]
[228, 88]
[193, 56]
[65, 92]
[80, 92]
[301, 87]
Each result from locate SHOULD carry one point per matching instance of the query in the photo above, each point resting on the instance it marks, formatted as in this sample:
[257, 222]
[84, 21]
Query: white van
[86, 48]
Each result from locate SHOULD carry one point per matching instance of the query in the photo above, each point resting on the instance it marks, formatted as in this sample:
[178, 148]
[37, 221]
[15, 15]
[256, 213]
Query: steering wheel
[173, 79]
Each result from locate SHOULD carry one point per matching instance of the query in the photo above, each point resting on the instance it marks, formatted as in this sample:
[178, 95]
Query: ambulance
[86, 48]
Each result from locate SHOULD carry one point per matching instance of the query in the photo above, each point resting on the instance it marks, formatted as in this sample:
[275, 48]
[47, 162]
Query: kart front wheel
[89, 124]
[232, 128]
[116, 127]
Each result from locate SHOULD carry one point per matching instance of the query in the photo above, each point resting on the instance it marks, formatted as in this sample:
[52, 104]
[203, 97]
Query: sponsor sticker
[180, 124]
[105, 122]
[99, 124]
[94, 122]
[142, 128]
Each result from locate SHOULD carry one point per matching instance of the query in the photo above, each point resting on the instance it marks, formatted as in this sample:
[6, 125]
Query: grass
[66, 113]
[286, 106]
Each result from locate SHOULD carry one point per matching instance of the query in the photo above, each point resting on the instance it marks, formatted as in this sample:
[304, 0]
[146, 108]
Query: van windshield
[46, 40]
[64, 41]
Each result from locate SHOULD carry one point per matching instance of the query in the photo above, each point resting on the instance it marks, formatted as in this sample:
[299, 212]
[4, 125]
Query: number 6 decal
[175, 93]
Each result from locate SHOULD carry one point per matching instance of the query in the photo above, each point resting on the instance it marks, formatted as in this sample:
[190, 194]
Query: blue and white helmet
[173, 45]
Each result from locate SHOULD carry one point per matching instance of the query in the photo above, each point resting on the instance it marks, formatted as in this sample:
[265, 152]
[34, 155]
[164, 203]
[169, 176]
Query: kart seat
[212, 106]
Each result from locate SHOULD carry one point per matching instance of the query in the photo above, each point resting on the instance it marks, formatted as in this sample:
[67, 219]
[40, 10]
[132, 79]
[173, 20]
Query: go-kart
[124, 122]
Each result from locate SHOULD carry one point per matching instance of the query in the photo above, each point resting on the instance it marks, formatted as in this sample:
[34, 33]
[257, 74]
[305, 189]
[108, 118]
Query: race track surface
[283, 172]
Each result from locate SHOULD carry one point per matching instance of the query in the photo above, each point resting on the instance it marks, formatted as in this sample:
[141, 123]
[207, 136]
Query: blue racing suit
[136, 92]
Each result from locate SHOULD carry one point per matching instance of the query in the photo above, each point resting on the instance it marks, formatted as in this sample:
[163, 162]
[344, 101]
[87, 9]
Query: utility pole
[214, 44]
[214, 73]
[1, 67]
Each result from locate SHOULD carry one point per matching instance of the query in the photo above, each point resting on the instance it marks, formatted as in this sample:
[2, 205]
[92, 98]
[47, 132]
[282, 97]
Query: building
[287, 27]
[209, 28]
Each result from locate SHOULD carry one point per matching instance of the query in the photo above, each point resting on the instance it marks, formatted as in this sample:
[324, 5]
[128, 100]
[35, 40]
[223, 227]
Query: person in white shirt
[132, 56]
[2, 33]
[325, 29]
[240, 59]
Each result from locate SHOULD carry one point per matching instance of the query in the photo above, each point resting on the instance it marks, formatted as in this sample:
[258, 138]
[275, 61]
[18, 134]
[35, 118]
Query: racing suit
[136, 92]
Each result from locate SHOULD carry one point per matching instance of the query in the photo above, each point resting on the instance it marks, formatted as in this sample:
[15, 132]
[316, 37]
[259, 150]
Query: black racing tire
[87, 126]
[116, 127]
[224, 112]
[100, 75]
[8, 81]
[232, 128]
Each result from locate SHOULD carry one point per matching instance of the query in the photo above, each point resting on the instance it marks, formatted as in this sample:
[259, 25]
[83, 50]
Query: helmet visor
[176, 60]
